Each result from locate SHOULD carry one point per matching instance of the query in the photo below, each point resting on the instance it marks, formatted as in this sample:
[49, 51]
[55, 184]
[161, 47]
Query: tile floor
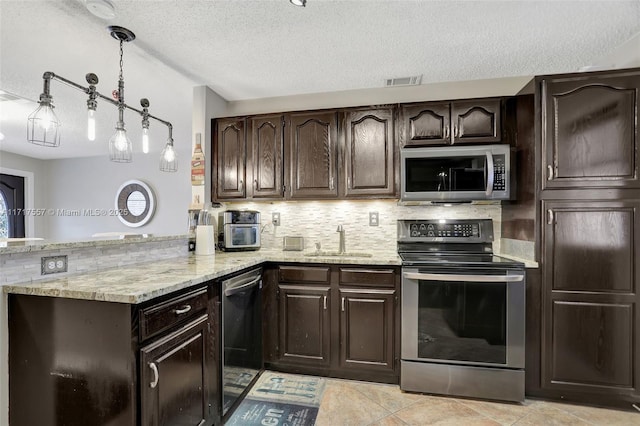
[348, 402]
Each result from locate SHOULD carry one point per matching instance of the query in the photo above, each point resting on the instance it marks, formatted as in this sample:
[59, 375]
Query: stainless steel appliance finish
[241, 335]
[463, 311]
[239, 230]
[456, 173]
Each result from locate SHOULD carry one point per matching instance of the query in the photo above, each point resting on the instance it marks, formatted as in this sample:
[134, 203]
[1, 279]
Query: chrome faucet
[341, 249]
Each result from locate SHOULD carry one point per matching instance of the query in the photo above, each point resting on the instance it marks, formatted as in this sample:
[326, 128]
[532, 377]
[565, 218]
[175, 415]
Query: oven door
[470, 317]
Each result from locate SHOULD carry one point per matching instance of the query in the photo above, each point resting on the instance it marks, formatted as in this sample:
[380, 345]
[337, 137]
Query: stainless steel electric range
[463, 311]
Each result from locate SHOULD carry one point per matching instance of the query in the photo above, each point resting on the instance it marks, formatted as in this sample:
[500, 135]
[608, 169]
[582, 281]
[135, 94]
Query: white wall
[92, 183]
[507, 86]
[36, 173]
[207, 104]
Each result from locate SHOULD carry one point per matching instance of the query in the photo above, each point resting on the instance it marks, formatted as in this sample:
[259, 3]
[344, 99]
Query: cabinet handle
[331, 183]
[549, 172]
[349, 182]
[456, 131]
[241, 185]
[549, 217]
[446, 132]
[255, 183]
[325, 303]
[156, 376]
[343, 304]
[183, 310]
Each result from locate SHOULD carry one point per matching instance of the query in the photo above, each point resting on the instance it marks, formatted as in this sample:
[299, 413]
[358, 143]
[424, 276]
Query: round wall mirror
[135, 203]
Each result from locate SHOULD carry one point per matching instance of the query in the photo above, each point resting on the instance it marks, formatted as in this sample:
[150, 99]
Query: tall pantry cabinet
[589, 192]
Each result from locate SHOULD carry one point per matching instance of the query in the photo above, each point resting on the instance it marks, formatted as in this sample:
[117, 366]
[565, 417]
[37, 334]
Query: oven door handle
[490, 174]
[462, 277]
[240, 288]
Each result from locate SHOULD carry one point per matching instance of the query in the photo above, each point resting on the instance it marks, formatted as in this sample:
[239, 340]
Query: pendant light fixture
[43, 126]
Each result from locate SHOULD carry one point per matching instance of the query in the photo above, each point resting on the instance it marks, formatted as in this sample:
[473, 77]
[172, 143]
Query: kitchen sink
[336, 254]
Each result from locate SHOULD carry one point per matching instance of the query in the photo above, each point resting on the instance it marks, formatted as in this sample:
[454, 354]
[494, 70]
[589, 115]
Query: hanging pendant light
[43, 126]
[168, 158]
[145, 125]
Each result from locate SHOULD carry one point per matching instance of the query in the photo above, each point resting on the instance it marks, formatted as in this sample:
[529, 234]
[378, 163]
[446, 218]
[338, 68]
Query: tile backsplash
[317, 221]
[23, 267]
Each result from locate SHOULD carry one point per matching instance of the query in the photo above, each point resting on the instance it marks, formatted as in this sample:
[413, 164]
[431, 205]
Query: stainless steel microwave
[456, 173]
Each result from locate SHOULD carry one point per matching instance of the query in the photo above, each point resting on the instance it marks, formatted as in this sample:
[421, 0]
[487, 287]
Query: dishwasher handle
[462, 277]
[241, 287]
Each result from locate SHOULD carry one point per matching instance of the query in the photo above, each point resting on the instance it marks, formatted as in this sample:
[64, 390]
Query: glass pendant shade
[91, 124]
[43, 126]
[168, 158]
[145, 140]
[120, 149]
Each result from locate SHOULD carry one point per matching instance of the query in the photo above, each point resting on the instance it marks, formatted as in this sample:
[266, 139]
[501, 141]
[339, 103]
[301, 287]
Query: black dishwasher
[241, 335]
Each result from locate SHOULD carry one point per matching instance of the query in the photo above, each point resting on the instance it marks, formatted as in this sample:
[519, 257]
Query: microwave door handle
[490, 174]
[463, 277]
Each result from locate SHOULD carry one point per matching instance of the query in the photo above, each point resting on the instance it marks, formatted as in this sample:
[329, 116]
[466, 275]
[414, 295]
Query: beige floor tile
[343, 405]
[389, 421]
[442, 411]
[599, 416]
[389, 397]
[550, 418]
[503, 413]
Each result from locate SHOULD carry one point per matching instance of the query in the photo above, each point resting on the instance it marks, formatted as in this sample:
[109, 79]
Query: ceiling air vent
[404, 81]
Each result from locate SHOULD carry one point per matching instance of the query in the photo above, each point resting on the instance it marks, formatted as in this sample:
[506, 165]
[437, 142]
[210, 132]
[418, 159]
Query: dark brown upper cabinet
[312, 143]
[369, 163]
[590, 130]
[266, 144]
[448, 123]
[230, 157]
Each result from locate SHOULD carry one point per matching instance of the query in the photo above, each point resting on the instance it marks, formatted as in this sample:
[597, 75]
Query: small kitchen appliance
[463, 311]
[457, 173]
[239, 230]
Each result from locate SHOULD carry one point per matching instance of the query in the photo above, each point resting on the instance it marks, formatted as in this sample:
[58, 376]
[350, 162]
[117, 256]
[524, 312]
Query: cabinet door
[476, 121]
[230, 146]
[174, 381]
[369, 149]
[304, 324]
[426, 124]
[313, 147]
[590, 275]
[266, 154]
[590, 131]
[367, 323]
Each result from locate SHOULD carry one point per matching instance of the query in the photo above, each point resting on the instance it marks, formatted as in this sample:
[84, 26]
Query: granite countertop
[145, 281]
[142, 282]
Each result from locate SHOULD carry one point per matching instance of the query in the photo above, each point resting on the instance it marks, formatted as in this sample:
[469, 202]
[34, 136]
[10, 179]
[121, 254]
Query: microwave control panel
[498, 173]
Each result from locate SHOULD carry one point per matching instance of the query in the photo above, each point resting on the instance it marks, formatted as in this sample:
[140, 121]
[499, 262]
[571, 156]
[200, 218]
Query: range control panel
[460, 230]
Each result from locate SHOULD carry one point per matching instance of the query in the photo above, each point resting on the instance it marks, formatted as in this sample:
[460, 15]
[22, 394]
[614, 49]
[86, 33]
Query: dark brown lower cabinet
[333, 320]
[591, 321]
[83, 362]
[174, 381]
[304, 324]
[366, 329]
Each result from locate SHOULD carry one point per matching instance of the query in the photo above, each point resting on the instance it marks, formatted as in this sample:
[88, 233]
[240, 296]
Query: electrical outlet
[275, 218]
[373, 219]
[53, 264]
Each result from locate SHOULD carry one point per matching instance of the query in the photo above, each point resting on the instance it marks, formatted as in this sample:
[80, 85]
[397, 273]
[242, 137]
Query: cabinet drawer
[367, 277]
[298, 274]
[163, 316]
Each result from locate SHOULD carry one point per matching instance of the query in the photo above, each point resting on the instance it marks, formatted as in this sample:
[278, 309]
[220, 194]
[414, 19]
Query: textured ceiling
[256, 49]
